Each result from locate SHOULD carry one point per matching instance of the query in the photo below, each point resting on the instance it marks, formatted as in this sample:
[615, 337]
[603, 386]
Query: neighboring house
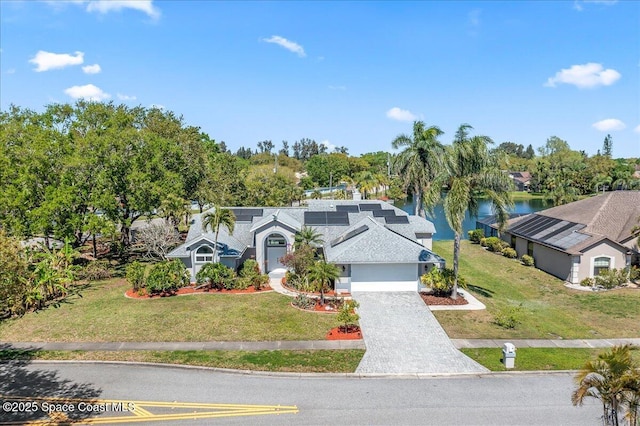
[577, 240]
[377, 247]
[521, 180]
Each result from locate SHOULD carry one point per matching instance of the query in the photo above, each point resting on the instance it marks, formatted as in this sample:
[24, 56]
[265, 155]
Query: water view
[444, 232]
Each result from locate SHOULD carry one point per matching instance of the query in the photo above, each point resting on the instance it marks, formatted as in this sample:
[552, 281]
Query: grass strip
[303, 361]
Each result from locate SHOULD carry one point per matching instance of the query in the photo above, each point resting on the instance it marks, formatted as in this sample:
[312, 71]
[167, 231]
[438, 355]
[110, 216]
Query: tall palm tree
[321, 274]
[214, 220]
[471, 173]
[307, 236]
[366, 182]
[608, 379]
[420, 164]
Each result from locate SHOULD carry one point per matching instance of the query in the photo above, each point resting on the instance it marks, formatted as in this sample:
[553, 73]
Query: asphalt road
[494, 399]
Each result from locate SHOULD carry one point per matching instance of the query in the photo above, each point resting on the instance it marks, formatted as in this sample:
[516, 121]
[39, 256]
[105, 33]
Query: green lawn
[103, 314]
[315, 361]
[549, 310]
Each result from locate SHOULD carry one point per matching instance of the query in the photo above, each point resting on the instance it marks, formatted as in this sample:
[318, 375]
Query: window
[275, 240]
[600, 264]
[530, 248]
[204, 254]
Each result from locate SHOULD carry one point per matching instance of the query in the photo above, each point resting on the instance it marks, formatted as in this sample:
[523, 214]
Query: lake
[443, 232]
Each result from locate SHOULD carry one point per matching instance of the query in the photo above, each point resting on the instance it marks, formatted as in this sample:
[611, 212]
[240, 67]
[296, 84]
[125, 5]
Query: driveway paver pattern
[403, 337]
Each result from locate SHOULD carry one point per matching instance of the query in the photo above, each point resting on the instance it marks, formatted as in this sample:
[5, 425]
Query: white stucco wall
[385, 277]
[604, 249]
[263, 233]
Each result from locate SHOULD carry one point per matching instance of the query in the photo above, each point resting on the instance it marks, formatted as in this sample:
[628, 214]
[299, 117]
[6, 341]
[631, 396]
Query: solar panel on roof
[370, 207]
[383, 213]
[315, 218]
[351, 208]
[348, 235]
[244, 218]
[396, 219]
[337, 218]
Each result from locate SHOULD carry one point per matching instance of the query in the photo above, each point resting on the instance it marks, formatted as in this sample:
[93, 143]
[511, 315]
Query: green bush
[509, 317]
[135, 275]
[611, 278]
[495, 244]
[483, 242]
[634, 274]
[509, 252]
[216, 275]
[251, 271]
[260, 281]
[95, 270]
[440, 281]
[588, 282]
[347, 314]
[476, 235]
[527, 260]
[167, 277]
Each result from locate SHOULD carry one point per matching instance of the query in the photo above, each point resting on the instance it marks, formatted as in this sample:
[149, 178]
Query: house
[376, 246]
[577, 240]
[521, 180]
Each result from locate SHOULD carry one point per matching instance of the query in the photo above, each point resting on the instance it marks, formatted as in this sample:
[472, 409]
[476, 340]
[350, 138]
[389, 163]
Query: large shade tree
[419, 164]
[471, 174]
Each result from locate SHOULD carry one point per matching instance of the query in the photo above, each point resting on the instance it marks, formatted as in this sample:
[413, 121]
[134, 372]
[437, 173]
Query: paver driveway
[403, 337]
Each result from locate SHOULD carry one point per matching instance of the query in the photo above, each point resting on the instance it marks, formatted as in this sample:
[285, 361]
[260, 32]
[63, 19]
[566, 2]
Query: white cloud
[608, 125]
[637, 129]
[88, 92]
[291, 46]
[92, 69]
[585, 76]
[126, 97]
[578, 4]
[329, 145]
[396, 113]
[106, 6]
[46, 61]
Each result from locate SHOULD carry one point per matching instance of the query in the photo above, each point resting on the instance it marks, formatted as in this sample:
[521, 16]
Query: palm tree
[366, 182]
[307, 236]
[470, 174]
[321, 274]
[609, 378]
[420, 164]
[214, 220]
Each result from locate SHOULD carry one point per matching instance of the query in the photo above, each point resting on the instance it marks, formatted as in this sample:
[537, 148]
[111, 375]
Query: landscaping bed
[431, 299]
[193, 290]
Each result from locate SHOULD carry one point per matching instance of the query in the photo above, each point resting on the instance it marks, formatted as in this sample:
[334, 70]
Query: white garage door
[388, 277]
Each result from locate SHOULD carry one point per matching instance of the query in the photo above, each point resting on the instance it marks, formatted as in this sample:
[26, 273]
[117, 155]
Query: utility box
[509, 355]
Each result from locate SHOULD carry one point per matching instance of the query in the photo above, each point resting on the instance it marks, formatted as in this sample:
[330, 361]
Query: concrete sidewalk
[540, 343]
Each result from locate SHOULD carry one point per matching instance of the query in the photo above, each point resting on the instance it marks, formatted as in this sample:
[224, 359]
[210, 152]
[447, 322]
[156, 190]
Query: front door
[276, 247]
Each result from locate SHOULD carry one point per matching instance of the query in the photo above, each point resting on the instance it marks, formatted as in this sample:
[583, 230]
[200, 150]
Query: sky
[353, 74]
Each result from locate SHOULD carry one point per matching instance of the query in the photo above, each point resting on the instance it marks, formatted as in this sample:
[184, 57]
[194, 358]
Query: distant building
[577, 240]
[521, 180]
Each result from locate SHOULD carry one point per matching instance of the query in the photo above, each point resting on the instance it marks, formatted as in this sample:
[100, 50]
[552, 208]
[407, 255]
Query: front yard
[103, 314]
[549, 310]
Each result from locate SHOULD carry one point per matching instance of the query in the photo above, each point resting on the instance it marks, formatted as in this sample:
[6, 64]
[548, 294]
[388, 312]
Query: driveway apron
[402, 337]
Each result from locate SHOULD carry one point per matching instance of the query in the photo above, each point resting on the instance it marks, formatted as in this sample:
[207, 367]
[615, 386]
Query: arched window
[601, 264]
[204, 254]
[276, 240]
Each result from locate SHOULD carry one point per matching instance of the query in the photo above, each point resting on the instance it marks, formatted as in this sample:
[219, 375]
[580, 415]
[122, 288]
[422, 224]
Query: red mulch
[336, 333]
[191, 290]
[437, 300]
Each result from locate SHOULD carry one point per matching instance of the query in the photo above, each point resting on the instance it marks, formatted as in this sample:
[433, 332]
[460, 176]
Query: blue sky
[351, 74]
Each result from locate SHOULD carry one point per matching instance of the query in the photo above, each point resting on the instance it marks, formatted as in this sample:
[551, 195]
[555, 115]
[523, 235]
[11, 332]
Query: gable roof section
[230, 246]
[368, 241]
[278, 216]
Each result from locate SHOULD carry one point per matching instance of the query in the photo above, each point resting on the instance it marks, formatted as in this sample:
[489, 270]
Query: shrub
[300, 260]
[509, 252]
[260, 281]
[440, 281]
[216, 275]
[242, 283]
[135, 275]
[611, 278]
[347, 314]
[167, 277]
[96, 270]
[588, 282]
[527, 260]
[483, 242]
[251, 271]
[476, 235]
[495, 244]
[509, 317]
[304, 302]
[634, 274]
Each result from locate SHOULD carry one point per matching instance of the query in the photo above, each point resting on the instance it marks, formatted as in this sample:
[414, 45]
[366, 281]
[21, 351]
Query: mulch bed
[430, 299]
[337, 333]
[191, 290]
